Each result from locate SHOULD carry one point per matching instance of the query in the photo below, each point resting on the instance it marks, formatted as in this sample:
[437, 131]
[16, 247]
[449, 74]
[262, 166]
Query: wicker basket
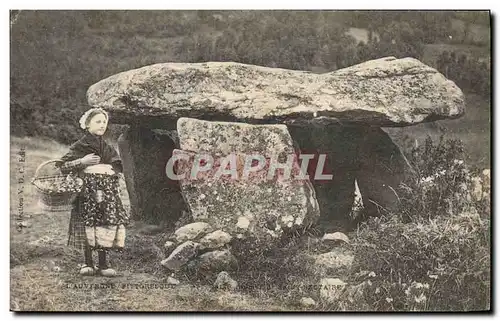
[51, 201]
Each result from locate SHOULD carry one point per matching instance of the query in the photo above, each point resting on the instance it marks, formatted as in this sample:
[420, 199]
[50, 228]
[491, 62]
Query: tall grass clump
[439, 265]
[441, 184]
[433, 253]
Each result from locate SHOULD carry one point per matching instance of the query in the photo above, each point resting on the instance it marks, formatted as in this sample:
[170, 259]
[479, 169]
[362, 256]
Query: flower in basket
[68, 185]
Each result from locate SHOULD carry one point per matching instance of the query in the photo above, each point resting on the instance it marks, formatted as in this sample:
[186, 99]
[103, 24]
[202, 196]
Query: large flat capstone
[381, 92]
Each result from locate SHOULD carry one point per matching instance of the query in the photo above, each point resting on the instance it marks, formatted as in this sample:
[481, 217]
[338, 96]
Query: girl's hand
[91, 159]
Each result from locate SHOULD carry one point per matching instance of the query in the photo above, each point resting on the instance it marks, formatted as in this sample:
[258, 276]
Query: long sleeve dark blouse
[88, 144]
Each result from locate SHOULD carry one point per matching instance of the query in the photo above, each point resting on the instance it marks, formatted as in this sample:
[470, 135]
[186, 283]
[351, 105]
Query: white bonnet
[93, 112]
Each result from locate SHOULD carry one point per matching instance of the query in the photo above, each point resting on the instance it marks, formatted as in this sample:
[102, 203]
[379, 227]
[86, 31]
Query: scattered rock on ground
[334, 260]
[225, 282]
[191, 231]
[181, 255]
[24, 224]
[337, 236]
[215, 261]
[172, 281]
[215, 240]
[307, 302]
[169, 246]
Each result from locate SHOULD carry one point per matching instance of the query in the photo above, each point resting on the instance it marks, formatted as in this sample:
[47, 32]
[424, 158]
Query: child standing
[98, 218]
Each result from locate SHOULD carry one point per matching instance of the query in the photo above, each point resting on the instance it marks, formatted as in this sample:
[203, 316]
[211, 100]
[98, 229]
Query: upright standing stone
[244, 207]
[127, 155]
[365, 154]
[153, 196]
[382, 167]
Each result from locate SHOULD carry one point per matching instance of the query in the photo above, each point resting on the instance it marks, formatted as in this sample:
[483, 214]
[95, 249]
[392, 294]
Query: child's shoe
[87, 270]
[109, 272]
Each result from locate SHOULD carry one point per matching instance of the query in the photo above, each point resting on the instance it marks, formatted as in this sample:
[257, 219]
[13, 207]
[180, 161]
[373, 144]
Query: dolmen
[251, 152]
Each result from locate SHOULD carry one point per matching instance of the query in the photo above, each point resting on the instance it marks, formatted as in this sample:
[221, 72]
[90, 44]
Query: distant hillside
[469, 32]
[432, 51]
[362, 34]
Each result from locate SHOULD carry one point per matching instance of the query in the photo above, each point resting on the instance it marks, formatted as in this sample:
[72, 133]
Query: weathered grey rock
[382, 167]
[181, 255]
[307, 302]
[486, 174]
[215, 240]
[335, 237]
[128, 149]
[153, 196]
[191, 231]
[334, 260]
[242, 223]
[225, 282]
[215, 261]
[256, 205]
[224, 138]
[169, 247]
[382, 92]
[331, 289]
[172, 281]
[24, 224]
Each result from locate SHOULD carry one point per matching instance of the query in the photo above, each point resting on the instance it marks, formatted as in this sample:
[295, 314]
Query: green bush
[441, 184]
[433, 252]
[467, 71]
[438, 265]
